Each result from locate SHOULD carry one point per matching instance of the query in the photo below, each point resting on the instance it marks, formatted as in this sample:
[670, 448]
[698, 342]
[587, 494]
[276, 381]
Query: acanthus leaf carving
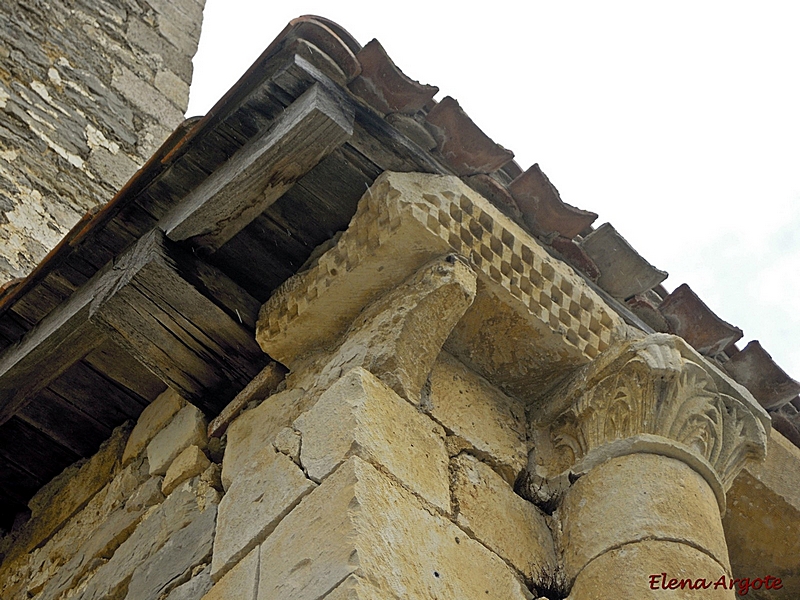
[657, 388]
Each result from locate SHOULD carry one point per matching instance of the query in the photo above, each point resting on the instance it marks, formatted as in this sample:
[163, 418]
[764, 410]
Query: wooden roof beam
[160, 310]
[308, 130]
[184, 320]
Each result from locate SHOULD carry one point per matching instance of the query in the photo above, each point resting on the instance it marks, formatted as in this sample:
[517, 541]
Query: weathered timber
[44, 458]
[115, 364]
[149, 305]
[372, 135]
[285, 234]
[258, 174]
[16, 488]
[169, 326]
[48, 350]
[105, 400]
[65, 423]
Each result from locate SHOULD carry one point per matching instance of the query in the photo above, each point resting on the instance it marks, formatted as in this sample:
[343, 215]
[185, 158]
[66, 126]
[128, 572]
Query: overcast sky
[678, 122]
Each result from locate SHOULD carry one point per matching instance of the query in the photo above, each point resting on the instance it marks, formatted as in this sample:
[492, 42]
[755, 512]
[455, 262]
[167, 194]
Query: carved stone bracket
[533, 320]
[652, 395]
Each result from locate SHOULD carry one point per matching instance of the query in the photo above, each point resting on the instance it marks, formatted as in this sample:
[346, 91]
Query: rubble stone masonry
[88, 91]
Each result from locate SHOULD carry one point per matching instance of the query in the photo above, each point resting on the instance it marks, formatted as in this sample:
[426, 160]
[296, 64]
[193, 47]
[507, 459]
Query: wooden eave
[162, 284]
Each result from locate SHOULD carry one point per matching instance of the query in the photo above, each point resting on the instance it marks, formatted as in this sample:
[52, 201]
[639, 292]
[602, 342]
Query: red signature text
[742, 586]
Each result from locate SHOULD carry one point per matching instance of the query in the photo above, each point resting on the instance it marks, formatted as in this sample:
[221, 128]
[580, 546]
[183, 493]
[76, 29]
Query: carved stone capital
[652, 395]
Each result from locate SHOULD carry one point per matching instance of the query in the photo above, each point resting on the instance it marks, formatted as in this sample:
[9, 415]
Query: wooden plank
[91, 392]
[61, 339]
[16, 485]
[32, 451]
[61, 421]
[372, 135]
[116, 364]
[171, 327]
[285, 234]
[263, 385]
[261, 171]
[212, 283]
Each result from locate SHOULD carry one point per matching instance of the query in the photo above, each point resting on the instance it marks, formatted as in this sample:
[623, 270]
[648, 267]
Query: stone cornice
[534, 320]
[654, 395]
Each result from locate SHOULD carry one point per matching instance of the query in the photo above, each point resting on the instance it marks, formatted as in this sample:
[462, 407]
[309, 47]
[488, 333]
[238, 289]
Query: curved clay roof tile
[689, 317]
[318, 31]
[543, 208]
[623, 271]
[385, 87]
[754, 368]
[461, 143]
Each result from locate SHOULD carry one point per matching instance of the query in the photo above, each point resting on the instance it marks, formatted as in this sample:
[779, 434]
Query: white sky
[678, 122]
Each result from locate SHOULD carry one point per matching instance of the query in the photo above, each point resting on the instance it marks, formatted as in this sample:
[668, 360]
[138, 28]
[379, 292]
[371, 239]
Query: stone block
[359, 415]
[504, 522]
[187, 427]
[491, 423]
[176, 34]
[533, 319]
[175, 560]
[173, 87]
[356, 588]
[54, 504]
[399, 336]
[374, 528]
[102, 541]
[96, 530]
[195, 588]
[288, 442]
[149, 40]
[241, 582]
[257, 428]
[147, 495]
[762, 524]
[178, 511]
[145, 97]
[262, 494]
[189, 463]
[153, 419]
[116, 169]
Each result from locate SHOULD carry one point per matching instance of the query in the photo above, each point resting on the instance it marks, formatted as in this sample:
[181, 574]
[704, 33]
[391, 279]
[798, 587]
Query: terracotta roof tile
[786, 420]
[690, 318]
[496, 193]
[385, 87]
[623, 272]
[645, 307]
[543, 209]
[462, 145]
[318, 31]
[754, 368]
[576, 256]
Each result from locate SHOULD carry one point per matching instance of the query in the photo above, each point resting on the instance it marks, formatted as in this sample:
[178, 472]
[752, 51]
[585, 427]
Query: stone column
[650, 436]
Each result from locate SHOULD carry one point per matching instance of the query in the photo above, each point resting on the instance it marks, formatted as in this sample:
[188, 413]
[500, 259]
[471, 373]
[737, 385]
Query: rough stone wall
[351, 491]
[356, 492]
[88, 90]
[135, 521]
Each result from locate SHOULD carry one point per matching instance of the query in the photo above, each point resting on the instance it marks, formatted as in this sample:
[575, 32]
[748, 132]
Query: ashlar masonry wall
[135, 521]
[88, 91]
[351, 491]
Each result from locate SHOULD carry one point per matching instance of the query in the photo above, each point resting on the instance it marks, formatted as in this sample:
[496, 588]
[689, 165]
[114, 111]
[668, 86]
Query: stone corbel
[533, 319]
[654, 395]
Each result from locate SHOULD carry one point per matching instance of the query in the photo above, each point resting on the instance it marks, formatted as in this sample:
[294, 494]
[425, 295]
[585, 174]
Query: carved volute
[652, 395]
